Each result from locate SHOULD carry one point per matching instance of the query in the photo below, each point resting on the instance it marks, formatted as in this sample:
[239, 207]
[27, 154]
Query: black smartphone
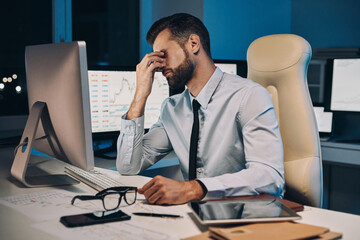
[94, 218]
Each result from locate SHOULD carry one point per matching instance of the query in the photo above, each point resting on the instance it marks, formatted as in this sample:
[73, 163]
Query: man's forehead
[162, 40]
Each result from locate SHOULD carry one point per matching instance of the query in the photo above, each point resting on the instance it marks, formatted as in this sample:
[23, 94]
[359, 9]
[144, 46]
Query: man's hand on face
[161, 190]
[145, 71]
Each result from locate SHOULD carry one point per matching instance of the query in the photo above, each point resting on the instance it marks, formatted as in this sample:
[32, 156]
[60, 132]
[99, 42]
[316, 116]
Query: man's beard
[182, 74]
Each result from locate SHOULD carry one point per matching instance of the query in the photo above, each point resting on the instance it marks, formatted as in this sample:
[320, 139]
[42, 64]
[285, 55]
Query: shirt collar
[208, 90]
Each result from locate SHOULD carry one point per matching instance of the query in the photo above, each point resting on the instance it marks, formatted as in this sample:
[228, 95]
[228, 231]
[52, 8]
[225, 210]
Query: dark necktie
[194, 141]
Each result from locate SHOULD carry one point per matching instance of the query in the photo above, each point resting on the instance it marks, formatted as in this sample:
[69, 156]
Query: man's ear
[194, 43]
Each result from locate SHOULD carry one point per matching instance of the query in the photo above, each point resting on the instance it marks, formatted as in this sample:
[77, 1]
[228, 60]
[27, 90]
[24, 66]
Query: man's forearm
[137, 107]
[145, 71]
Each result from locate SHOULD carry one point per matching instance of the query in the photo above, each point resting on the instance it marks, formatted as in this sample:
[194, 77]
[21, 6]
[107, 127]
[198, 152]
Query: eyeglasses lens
[130, 196]
[111, 200]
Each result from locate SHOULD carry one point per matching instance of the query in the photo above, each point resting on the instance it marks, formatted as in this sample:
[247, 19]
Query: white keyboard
[93, 178]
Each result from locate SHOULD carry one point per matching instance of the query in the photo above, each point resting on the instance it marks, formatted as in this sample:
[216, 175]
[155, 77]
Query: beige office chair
[279, 63]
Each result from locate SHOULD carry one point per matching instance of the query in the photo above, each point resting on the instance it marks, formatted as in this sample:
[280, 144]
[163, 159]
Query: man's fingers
[153, 198]
[152, 192]
[159, 54]
[146, 186]
[154, 59]
[154, 56]
[146, 189]
[151, 58]
[155, 66]
[152, 189]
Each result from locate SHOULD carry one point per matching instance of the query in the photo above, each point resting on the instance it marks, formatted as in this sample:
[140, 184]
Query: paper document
[117, 230]
[323, 119]
[48, 205]
[46, 208]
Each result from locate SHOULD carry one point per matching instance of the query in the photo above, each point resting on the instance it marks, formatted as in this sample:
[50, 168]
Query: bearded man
[223, 128]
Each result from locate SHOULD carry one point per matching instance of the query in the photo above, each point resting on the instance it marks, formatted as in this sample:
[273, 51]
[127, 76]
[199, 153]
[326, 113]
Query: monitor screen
[238, 67]
[323, 119]
[111, 93]
[227, 67]
[345, 87]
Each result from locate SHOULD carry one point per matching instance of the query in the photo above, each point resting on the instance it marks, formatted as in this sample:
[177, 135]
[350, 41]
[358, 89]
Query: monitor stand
[39, 111]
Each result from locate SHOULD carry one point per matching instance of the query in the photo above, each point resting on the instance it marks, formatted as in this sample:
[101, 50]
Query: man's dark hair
[181, 26]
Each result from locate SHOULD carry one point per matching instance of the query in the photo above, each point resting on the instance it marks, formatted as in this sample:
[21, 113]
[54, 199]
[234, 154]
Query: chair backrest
[279, 63]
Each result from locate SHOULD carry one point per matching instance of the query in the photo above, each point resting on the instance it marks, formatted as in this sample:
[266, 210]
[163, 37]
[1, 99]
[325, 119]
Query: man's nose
[164, 62]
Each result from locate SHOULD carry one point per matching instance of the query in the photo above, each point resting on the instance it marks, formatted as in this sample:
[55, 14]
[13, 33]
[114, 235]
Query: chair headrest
[277, 52]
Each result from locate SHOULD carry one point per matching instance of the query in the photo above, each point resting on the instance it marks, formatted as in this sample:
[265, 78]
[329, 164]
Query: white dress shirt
[240, 150]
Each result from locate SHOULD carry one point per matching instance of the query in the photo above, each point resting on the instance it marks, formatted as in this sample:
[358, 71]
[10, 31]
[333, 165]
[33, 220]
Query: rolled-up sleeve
[137, 151]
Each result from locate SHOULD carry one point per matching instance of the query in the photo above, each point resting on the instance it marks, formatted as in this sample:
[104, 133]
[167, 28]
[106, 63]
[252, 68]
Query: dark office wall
[327, 23]
[153, 10]
[234, 24]
[110, 29]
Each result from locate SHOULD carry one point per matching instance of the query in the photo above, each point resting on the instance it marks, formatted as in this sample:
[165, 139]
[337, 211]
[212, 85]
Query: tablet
[242, 211]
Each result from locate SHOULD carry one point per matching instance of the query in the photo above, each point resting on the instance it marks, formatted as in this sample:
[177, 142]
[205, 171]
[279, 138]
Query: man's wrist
[204, 188]
[197, 190]
[137, 108]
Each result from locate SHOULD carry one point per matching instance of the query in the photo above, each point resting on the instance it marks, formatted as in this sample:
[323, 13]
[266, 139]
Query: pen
[156, 215]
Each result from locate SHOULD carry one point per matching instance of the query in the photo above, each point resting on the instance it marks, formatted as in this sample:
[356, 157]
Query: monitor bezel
[342, 120]
[241, 65]
[324, 65]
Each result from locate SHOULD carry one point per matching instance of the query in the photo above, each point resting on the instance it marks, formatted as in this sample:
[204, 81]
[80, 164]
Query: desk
[341, 171]
[341, 153]
[15, 225]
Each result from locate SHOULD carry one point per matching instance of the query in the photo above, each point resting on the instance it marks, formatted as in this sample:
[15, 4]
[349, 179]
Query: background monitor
[112, 89]
[345, 87]
[343, 98]
[111, 92]
[238, 67]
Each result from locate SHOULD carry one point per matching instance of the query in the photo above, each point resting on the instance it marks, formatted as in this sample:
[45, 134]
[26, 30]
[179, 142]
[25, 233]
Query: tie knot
[196, 105]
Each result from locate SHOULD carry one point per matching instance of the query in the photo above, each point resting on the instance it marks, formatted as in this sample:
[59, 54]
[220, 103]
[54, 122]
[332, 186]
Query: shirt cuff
[133, 126]
[215, 189]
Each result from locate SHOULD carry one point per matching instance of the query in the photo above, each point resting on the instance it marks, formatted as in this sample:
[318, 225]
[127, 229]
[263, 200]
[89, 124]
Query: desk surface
[16, 225]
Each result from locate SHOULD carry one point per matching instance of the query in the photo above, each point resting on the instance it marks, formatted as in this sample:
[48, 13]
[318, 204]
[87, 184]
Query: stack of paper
[270, 231]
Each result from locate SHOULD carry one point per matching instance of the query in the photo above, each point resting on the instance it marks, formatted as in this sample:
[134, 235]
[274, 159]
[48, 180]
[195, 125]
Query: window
[23, 22]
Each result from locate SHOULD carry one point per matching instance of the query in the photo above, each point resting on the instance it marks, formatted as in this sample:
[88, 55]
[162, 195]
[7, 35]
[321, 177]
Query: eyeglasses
[111, 197]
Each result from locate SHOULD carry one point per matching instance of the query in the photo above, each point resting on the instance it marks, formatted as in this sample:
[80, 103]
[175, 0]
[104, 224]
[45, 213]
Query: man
[238, 149]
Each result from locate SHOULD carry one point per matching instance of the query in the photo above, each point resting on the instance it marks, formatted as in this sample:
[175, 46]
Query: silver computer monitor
[58, 94]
